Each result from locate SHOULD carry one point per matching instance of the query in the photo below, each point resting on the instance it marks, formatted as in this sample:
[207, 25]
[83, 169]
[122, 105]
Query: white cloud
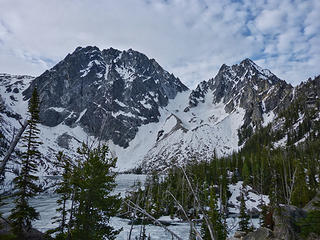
[271, 21]
[191, 38]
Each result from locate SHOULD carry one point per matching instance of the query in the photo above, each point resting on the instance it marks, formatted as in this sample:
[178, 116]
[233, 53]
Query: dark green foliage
[64, 190]
[215, 219]
[94, 205]
[9, 236]
[245, 173]
[157, 198]
[311, 224]
[88, 185]
[301, 193]
[263, 216]
[244, 217]
[23, 214]
[288, 174]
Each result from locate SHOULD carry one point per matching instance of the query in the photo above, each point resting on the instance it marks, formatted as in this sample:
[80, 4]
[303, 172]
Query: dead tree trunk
[208, 223]
[144, 212]
[12, 147]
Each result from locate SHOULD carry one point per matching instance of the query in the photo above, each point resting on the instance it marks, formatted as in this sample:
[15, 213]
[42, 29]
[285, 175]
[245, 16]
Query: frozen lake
[46, 204]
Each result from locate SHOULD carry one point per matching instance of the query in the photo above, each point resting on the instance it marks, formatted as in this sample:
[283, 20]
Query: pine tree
[23, 214]
[274, 191]
[300, 195]
[244, 217]
[245, 172]
[311, 224]
[224, 192]
[215, 219]
[94, 183]
[263, 215]
[64, 190]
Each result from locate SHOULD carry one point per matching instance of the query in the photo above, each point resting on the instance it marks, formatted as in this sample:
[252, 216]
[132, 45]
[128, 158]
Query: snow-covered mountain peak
[256, 69]
[247, 86]
[109, 93]
[145, 114]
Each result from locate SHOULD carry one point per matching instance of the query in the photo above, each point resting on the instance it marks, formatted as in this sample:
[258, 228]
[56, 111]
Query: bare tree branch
[133, 205]
[185, 214]
[209, 225]
[12, 147]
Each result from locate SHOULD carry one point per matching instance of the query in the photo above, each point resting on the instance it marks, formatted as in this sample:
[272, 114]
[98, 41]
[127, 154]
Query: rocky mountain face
[11, 87]
[221, 113]
[248, 86]
[108, 93]
[299, 122]
[145, 114]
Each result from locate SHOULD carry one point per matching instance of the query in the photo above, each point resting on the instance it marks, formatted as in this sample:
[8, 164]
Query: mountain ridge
[127, 88]
[148, 117]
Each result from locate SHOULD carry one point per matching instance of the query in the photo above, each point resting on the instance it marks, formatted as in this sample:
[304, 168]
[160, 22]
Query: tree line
[85, 202]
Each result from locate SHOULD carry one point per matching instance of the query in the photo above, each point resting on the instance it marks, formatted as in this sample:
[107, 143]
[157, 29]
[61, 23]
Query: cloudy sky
[190, 38]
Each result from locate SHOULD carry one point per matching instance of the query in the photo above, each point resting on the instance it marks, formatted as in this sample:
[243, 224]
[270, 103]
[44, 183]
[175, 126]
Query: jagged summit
[107, 92]
[245, 71]
[248, 62]
[146, 114]
[244, 85]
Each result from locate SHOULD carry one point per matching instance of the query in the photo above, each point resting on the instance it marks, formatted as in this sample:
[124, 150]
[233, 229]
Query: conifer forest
[159, 120]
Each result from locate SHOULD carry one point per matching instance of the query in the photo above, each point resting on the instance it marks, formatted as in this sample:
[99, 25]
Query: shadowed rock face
[286, 222]
[109, 93]
[245, 85]
[259, 234]
[6, 232]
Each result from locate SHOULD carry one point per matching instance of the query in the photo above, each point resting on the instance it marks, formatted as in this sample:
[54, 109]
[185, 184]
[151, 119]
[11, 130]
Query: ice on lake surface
[46, 205]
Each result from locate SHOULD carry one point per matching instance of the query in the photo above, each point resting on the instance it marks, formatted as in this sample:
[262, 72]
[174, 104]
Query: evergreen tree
[300, 195]
[245, 172]
[311, 224]
[215, 219]
[94, 183]
[224, 192]
[23, 214]
[263, 215]
[244, 217]
[64, 190]
[274, 191]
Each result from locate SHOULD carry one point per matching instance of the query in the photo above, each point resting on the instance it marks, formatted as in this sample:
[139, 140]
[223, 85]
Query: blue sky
[190, 38]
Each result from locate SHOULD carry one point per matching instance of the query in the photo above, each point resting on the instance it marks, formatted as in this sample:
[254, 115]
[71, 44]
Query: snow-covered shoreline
[45, 203]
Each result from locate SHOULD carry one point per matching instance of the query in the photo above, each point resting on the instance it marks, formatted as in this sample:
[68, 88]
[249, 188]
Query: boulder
[64, 140]
[239, 234]
[259, 234]
[310, 206]
[32, 234]
[285, 220]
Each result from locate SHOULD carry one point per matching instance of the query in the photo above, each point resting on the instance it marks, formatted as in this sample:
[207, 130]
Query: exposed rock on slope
[248, 86]
[109, 93]
[146, 115]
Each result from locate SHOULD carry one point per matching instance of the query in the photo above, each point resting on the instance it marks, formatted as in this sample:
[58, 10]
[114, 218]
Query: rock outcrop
[260, 234]
[109, 93]
[285, 225]
[6, 232]
[248, 86]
